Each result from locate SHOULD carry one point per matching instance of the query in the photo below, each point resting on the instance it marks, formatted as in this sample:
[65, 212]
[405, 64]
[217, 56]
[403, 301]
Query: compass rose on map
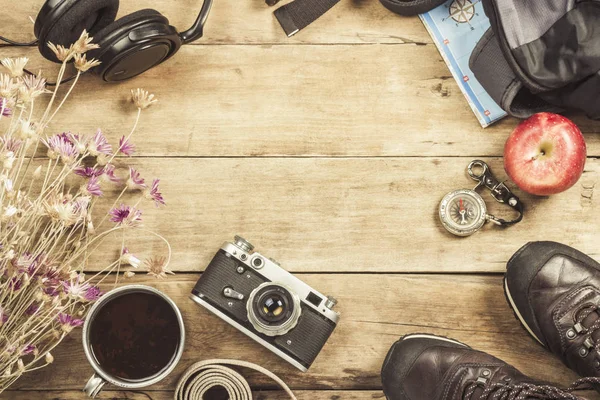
[462, 11]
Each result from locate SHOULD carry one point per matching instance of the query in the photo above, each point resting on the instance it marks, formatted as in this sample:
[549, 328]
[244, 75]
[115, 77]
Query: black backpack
[539, 55]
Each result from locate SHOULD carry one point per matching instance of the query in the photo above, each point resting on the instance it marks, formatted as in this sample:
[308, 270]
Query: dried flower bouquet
[50, 224]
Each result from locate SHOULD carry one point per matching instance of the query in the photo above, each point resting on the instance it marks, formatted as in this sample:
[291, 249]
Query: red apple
[545, 154]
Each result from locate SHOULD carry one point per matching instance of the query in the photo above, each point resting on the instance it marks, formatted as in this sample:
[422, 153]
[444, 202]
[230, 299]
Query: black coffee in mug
[135, 336]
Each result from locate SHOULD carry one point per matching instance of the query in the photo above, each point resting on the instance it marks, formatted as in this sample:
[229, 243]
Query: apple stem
[541, 154]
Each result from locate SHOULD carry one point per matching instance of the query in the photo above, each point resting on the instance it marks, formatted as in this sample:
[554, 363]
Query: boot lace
[527, 391]
[579, 329]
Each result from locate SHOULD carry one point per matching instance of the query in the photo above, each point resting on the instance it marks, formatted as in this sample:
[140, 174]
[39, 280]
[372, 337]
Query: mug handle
[94, 385]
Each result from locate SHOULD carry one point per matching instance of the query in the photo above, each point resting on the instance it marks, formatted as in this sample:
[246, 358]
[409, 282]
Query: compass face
[463, 212]
[462, 11]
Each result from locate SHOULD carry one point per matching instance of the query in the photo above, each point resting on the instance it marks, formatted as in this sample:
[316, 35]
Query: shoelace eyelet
[583, 352]
[571, 334]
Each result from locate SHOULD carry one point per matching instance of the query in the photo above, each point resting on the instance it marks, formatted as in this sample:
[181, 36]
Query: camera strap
[299, 14]
[204, 375]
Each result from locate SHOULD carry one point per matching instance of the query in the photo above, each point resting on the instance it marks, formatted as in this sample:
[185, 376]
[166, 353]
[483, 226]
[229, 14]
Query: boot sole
[517, 314]
[433, 337]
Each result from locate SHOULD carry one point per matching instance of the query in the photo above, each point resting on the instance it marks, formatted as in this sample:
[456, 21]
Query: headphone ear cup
[104, 35]
[134, 44]
[65, 28]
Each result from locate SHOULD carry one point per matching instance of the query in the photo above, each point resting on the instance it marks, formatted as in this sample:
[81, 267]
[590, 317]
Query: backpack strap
[411, 7]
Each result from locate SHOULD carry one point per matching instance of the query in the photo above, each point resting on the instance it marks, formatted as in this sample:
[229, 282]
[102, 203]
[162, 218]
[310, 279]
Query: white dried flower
[128, 274]
[84, 43]
[10, 255]
[130, 259]
[27, 131]
[63, 212]
[21, 365]
[38, 172]
[8, 86]
[91, 230]
[9, 212]
[33, 86]
[8, 159]
[15, 66]
[82, 63]
[142, 99]
[61, 52]
[49, 358]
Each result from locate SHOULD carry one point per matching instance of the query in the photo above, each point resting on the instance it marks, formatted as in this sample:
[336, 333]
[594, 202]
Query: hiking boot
[554, 291]
[427, 367]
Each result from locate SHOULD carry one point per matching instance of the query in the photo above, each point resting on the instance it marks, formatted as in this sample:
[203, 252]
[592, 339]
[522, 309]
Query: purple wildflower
[6, 112]
[67, 322]
[60, 146]
[153, 194]
[135, 181]
[93, 294]
[93, 187]
[81, 205]
[3, 316]
[109, 173]
[28, 349]
[10, 144]
[125, 215]
[51, 291]
[32, 309]
[15, 284]
[99, 144]
[87, 172]
[126, 147]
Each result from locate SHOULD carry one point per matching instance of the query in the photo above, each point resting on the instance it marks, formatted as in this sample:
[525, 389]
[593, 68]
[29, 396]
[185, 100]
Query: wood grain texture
[330, 151]
[168, 395]
[348, 215]
[252, 22]
[375, 311]
[299, 101]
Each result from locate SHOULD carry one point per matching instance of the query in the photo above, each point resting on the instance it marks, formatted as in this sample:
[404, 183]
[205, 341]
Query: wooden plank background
[330, 151]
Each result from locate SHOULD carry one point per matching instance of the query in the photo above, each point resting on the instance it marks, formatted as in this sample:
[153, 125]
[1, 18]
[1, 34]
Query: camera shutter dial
[243, 244]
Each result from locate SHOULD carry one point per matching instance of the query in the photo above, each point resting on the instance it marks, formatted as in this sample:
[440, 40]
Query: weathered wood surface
[330, 151]
[259, 395]
[168, 395]
[350, 215]
[376, 310]
[300, 101]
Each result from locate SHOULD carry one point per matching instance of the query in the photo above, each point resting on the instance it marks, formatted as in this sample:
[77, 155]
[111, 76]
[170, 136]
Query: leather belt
[412, 7]
[204, 375]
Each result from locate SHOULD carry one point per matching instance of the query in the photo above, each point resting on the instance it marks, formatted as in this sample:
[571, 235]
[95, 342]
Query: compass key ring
[463, 212]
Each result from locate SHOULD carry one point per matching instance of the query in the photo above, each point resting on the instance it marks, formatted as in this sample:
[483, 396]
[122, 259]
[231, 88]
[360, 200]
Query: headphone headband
[196, 31]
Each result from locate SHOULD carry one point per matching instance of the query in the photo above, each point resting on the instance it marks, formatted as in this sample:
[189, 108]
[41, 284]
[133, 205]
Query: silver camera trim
[274, 273]
[248, 333]
[267, 329]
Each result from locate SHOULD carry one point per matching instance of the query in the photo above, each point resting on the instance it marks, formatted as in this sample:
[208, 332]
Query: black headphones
[128, 46]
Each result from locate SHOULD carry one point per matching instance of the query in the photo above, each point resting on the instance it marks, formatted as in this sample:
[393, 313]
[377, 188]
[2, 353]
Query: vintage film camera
[270, 305]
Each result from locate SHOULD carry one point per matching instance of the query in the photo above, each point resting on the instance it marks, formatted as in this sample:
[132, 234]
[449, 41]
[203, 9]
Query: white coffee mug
[101, 377]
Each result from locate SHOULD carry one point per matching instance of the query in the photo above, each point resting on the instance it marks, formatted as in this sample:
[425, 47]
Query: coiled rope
[204, 375]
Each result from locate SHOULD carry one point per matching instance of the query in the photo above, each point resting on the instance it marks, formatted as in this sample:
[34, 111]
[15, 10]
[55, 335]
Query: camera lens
[273, 309]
